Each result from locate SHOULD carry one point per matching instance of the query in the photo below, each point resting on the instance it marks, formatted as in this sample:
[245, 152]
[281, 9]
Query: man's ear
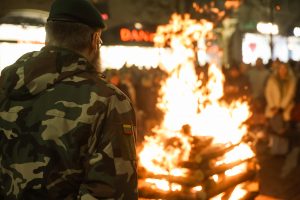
[95, 40]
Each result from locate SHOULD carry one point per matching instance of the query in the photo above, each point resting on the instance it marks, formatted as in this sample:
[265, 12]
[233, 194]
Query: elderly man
[65, 133]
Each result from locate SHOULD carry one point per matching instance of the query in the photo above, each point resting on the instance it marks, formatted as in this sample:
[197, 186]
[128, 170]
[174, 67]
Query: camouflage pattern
[64, 132]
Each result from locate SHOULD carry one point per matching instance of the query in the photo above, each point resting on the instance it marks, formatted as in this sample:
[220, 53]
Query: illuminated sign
[133, 34]
[267, 28]
[127, 35]
[258, 46]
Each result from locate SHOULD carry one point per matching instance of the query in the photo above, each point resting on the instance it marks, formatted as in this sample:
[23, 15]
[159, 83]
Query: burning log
[146, 191]
[250, 195]
[216, 151]
[207, 154]
[224, 167]
[178, 195]
[230, 182]
[194, 177]
[192, 180]
[226, 195]
[240, 192]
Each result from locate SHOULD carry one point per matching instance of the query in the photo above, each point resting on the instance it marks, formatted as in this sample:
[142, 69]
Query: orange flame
[164, 185]
[185, 100]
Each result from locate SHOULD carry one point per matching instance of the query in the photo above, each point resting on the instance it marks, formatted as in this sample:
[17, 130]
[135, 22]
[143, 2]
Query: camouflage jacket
[64, 132]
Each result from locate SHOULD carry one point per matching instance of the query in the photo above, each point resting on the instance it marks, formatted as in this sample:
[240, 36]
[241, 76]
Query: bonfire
[199, 143]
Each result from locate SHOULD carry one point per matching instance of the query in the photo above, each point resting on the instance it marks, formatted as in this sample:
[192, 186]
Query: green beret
[80, 11]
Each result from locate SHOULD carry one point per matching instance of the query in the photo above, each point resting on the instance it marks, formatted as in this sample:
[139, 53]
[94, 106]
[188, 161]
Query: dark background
[125, 13]
[158, 11]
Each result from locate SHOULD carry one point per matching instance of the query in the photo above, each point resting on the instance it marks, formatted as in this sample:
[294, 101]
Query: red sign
[129, 35]
[134, 35]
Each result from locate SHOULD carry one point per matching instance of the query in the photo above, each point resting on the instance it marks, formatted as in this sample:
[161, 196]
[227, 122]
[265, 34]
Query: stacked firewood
[202, 171]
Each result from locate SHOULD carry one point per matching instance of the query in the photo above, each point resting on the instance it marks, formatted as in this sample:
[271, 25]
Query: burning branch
[230, 182]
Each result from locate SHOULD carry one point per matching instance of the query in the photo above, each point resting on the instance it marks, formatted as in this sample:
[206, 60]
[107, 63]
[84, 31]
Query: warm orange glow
[159, 158]
[238, 192]
[242, 151]
[127, 35]
[197, 188]
[218, 197]
[186, 101]
[239, 153]
[232, 4]
[215, 178]
[164, 185]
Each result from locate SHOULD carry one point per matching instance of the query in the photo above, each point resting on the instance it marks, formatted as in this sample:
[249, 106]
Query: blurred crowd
[142, 86]
[272, 90]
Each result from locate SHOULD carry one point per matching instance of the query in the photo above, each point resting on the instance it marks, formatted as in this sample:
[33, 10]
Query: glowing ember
[197, 188]
[238, 192]
[239, 153]
[162, 158]
[215, 178]
[218, 197]
[186, 101]
[164, 185]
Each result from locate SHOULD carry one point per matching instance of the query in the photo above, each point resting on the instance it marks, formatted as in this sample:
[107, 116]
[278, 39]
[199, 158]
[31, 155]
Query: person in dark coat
[236, 86]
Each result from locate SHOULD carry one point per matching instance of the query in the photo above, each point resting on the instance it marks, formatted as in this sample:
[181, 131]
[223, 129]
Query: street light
[267, 28]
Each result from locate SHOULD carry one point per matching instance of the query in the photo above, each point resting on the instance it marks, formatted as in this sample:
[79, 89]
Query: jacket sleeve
[290, 94]
[269, 93]
[110, 169]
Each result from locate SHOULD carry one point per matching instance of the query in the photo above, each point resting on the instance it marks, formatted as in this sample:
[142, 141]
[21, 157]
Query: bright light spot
[104, 16]
[267, 28]
[17, 40]
[22, 34]
[164, 185]
[215, 178]
[236, 170]
[297, 31]
[138, 25]
[238, 192]
[132, 56]
[218, 197]
[10, 52]
[197, 188]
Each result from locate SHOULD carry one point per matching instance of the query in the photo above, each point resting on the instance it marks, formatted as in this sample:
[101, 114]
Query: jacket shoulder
[102, 86]
[20, 60]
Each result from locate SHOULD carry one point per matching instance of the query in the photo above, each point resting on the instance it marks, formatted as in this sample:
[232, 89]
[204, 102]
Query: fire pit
[199, 150]
[204, 178]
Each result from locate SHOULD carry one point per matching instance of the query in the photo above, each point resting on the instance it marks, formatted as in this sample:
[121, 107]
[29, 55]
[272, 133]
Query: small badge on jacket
[128, 129]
